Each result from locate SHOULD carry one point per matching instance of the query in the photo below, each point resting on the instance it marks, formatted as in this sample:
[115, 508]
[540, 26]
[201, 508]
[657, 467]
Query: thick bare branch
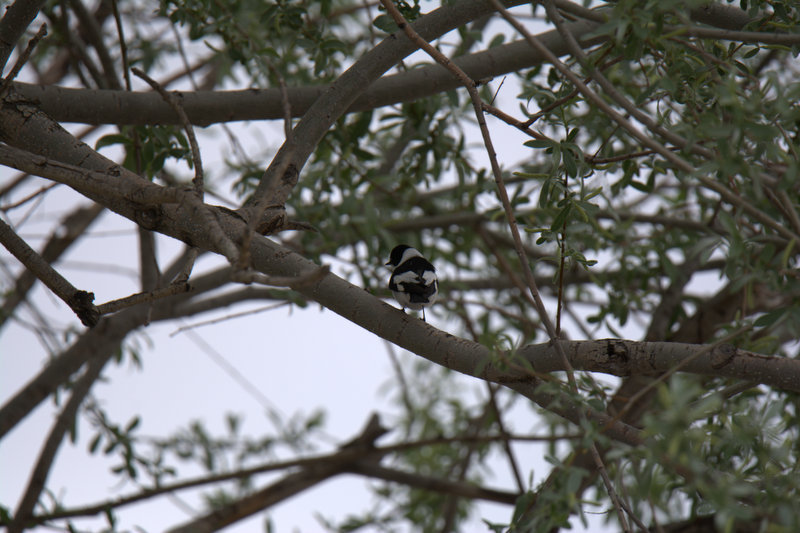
[627, 358]
[16, 19]
[23, 58]
[93, 106]
[81, 302]
[69, 230]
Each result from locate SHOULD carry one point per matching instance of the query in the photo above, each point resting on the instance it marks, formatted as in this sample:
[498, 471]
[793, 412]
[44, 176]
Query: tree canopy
[631, 277]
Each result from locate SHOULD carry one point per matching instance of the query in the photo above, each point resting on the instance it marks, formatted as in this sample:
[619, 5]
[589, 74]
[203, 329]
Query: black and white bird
[413, 282]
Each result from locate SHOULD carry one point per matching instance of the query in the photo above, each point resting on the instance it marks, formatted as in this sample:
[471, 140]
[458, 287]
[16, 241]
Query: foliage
[692, 243]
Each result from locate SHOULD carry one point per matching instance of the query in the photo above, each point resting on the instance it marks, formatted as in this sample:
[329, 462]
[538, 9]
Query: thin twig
[122, 45]
[512, 460]
[143, 297]
[22, 59]
[188, 265]
[402, 382]
[293, 282]
[31, 196]
[174, 102]
[551, 331]
[231, 316]
[524, 127]
[562, 261]
[615, 500]
[478, 105]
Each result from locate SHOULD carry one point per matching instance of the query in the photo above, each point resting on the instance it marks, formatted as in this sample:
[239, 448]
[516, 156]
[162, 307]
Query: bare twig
[188, 265]
[31, 196]
[143, 297]
[601, 468]
[122, 45]
[512, 460]
[230, 316]
[524, 127]
[174, 101]
[22, 59]
[294, 282]
[436, 484]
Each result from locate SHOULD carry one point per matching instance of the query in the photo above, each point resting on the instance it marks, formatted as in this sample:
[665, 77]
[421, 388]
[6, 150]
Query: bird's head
[400, 253]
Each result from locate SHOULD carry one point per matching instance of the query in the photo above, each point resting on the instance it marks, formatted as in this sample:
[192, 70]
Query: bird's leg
[423, 315]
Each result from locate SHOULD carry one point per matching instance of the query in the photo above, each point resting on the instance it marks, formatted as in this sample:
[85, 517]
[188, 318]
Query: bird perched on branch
[413, 282]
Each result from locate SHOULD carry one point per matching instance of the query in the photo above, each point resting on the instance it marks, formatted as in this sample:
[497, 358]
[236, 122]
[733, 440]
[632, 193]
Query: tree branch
[23, 58]
[79, 301]
[290, 485]
[69, 230]
[304, 462]
[175, 103]
[16, 19]
[92, 106]
[65, 420]
[106, 337]
[628, 358]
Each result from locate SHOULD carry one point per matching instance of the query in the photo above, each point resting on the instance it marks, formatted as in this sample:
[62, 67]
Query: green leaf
[539, 143]
[95, 442]
[770, 318]
[385, 23]
[110, 140]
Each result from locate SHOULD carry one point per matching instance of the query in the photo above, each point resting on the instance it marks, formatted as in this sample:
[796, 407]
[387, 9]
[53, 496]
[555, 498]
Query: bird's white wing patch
[429, 276]
[406, 277]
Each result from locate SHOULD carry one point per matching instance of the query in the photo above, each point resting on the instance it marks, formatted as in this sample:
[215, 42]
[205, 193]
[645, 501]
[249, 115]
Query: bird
[413, 281]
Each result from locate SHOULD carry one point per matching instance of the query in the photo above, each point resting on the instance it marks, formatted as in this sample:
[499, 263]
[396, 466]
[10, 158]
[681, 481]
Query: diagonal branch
[23, 58]
[17, 17]
[69, 229]
[106, 337]
[79, 301]
[303, 462]
[65, 420]
[276, 184]
[175, 103]
[358, 448]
